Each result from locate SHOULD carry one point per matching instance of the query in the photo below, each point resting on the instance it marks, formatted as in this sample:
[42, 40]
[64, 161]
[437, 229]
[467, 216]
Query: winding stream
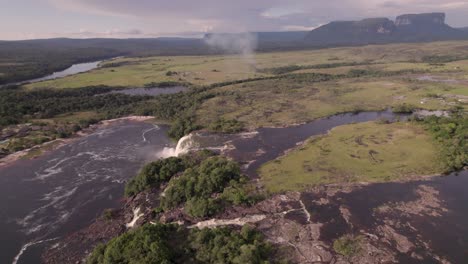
[255, 149]
[74, 69]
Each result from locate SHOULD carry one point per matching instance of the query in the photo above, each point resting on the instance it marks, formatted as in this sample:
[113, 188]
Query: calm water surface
[74, 69]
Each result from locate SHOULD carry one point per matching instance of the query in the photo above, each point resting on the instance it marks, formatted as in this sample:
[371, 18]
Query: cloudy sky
[26, 19]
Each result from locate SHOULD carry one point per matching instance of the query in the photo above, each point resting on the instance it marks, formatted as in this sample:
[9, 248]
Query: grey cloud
[251, 15]
[113, 33]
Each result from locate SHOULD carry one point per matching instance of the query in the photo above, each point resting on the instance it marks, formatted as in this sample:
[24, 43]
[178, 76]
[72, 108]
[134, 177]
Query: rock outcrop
[406, 28]
[420, 19]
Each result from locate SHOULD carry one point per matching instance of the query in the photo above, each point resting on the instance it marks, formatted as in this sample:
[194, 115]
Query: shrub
[226, 126]
[148, 244]
[223, 245]
[170, 244]
[201, 207]
[404, 108]
[347, 245]
[153, 174]
[108, 214]
[197, 185]
[451, 133]
[182, 126]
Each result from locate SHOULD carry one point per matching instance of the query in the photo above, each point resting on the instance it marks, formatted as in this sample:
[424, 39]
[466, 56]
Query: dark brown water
[63, 191]
[255, 149]
[446, 235]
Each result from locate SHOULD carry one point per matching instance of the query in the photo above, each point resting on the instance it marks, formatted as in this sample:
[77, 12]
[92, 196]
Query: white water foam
[184, 145]
[57, 200]
[136, 216]
[149, 130]
[23, 249]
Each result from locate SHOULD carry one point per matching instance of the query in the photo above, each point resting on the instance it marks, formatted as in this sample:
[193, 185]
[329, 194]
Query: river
[74, 69]
[255, 149]
[64, 190]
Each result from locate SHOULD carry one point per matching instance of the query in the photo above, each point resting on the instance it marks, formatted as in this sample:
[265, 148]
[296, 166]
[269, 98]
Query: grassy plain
[431, 76]
[286, 101]
[367, 152]
[203, 70]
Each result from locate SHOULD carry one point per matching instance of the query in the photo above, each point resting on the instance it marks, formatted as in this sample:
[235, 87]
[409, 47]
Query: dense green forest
[17, 64]
[18, 105]
[161, 243]
[451, 133]
[200, 176]
[28, 59]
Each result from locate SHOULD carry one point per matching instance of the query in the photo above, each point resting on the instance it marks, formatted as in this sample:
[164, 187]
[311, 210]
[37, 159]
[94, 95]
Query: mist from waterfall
[184, 145]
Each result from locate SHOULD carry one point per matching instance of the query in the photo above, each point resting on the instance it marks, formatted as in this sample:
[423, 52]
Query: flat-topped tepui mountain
[45, 56]
[406, 28]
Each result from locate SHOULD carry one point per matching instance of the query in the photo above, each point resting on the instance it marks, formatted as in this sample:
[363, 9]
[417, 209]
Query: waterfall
[183, 146]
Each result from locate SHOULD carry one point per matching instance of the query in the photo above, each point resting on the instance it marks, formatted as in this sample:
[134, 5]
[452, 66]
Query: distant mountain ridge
[406, 28]
[40, 57]
[423, 27]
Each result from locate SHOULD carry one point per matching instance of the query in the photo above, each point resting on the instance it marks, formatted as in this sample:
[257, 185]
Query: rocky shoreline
[55, 144]
[383, 219]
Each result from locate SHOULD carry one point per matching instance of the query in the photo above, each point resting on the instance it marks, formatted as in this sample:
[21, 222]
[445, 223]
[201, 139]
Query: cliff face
[406, 28]
[352, 32]
[421, 19]
[375, 25]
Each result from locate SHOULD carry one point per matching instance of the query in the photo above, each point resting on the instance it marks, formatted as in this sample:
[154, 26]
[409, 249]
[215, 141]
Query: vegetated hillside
[406, 28]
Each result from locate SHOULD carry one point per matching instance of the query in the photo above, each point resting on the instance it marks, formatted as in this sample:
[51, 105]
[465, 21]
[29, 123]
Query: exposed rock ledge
[385, 220]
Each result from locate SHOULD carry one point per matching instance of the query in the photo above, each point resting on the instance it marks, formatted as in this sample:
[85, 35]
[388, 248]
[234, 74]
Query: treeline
[452, 135]
[293, 68]
[180, 108]
[159, 243]
[435, 59]
[23, 60]
[23, 64]
[18, 105]
[205, 184]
